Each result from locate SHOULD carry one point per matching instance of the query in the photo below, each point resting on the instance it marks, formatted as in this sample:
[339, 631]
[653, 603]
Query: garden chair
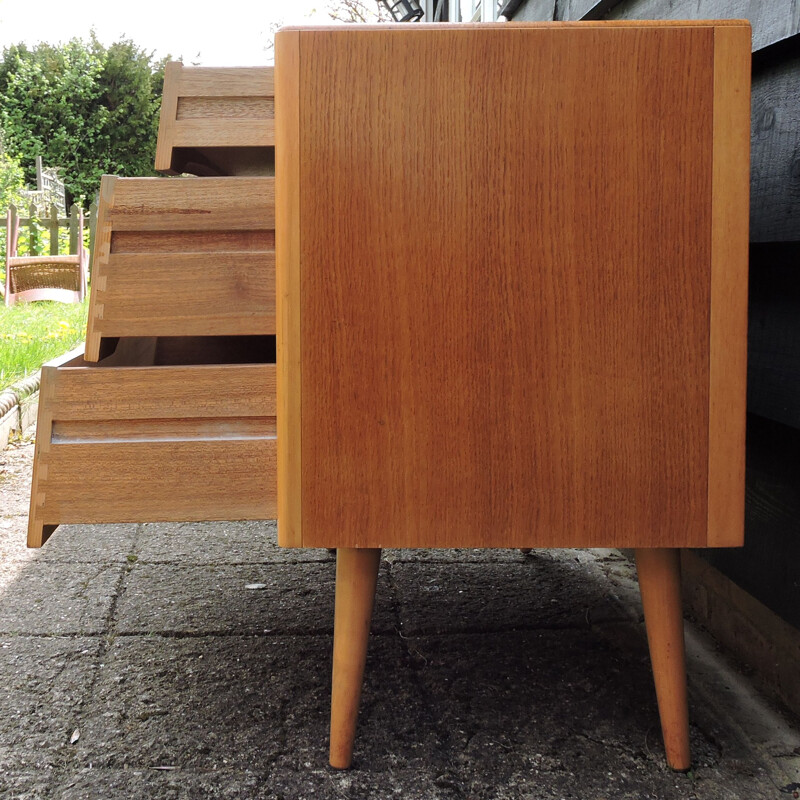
[46, 277]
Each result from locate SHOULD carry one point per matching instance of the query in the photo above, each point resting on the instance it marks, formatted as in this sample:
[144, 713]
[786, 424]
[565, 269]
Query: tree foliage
[11, 182]
[11, 179]
[83, 107]
[358, 11]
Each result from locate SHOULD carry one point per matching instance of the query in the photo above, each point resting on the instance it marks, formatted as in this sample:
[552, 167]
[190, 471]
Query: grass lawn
[33, 333]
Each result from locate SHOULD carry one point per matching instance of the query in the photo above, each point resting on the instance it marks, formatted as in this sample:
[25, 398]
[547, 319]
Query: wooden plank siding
[535, 11]
[766, 566]
[772, 21]
[773, 374]
[775, 174]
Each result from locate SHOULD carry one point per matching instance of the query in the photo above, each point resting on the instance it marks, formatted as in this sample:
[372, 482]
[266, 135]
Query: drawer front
[192, 257]
[150, 480]
[206, 110]
[146, 444]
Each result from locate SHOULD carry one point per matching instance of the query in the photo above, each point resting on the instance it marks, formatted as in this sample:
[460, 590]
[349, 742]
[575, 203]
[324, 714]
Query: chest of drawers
[510, 310]
[512, 302]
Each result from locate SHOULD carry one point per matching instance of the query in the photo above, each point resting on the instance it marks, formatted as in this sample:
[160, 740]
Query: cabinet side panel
[729, 256]
[287, 245]
[505, 286]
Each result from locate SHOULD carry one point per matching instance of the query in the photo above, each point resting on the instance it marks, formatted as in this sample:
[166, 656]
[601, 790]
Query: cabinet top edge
[444, 27]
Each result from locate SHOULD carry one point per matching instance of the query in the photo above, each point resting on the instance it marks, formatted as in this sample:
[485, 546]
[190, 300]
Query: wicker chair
[46, 277]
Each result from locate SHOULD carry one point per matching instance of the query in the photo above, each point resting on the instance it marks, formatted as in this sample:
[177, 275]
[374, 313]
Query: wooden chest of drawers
[170, 413]
[512, 311]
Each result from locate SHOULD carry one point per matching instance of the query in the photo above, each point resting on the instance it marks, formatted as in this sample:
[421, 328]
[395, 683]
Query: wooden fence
[50, 222]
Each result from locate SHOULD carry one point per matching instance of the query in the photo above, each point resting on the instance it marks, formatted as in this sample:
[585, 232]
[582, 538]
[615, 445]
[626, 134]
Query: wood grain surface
[183, 257]
[287, 229]
[504, 286]
[207, 108]
[230, 107]
[729, 261]
[140, 443]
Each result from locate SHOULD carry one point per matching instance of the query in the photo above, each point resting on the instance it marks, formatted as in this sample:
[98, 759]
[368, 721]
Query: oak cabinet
[512, 303]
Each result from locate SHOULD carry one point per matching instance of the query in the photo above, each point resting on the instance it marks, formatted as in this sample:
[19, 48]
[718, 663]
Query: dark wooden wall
[768, 567]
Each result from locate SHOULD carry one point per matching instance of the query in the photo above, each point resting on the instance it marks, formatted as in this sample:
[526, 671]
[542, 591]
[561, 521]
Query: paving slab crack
[68, 767]
[416, 661]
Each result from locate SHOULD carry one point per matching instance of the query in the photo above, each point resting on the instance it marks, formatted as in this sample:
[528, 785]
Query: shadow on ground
[135, 662]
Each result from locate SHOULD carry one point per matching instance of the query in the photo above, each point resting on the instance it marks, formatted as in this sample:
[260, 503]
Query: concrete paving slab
[230, 703]
[564, 709]
[248, 542]
[291, 598]
[74, 544]
[43, 683]
[501, 555]
[13, 531]
[25, 785]
[16, 462]
[394, 719]
[204, 703]
[461, 555]
[319, 782]
[57, 598]
[472, 597]
[132, 784]
[278, 784]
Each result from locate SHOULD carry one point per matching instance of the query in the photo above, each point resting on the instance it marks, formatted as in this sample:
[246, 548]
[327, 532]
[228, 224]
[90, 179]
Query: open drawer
[183, 257]
[217, 121]
[141, 438]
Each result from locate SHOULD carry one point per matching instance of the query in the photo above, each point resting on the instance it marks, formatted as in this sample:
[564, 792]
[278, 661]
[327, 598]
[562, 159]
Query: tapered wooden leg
[660, 584]
[356, 578]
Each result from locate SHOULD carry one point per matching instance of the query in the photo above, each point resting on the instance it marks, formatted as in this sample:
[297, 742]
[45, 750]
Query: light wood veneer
[512, 311]
[183, 257]
[216, 121]
[512, 304]
[135, 439]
